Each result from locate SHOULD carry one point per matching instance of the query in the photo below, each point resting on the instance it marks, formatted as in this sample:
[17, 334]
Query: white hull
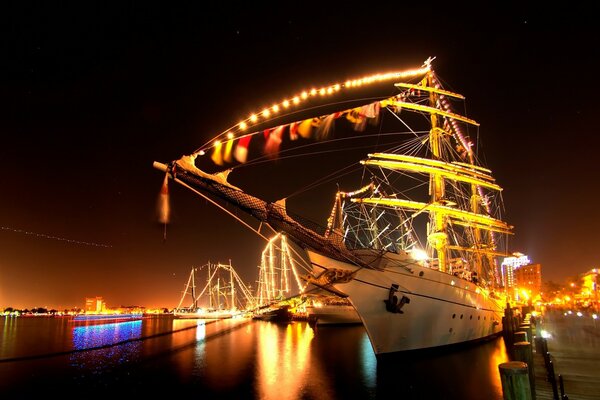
[443, 309]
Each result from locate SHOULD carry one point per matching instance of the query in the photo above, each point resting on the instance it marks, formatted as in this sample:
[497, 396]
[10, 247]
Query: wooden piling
[527, 328]
[520, 336]
[508, 325]
[524, 353]
[515, 381]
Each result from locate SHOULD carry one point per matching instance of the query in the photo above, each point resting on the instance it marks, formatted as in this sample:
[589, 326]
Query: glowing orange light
[217, 142]
[327, 90]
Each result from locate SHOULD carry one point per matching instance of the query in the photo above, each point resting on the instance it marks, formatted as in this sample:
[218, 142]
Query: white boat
[418, 263]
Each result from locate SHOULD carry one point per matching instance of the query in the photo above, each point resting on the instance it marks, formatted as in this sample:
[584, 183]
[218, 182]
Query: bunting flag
[294, 130]
[391, 105]
[163, 205]
[357, 117]
[353, 115]
[373, 113]
[164, 209]
[241, 150]
[274, 141]
[325, 127]
[371, 110]
[228, 148]
[305, 128]
[273, 136]
[217, 157]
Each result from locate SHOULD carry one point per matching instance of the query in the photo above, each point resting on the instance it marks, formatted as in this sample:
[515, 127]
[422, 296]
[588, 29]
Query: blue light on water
[368, 363]
[85, 337]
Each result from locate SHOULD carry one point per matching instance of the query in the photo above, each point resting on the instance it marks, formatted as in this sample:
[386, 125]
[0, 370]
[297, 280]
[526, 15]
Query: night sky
[91, 95]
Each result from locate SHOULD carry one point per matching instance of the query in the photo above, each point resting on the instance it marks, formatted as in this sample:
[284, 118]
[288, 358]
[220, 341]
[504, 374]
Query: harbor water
[235, 358]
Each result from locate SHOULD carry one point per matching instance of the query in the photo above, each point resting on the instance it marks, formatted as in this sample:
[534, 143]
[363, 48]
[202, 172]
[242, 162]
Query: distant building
[508, 267]
[94, 304]
[529, 277]
[589, 289]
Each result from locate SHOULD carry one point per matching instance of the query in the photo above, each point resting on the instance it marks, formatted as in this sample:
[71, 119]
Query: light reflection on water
[498, 355]
[229, 359]
[283, 360]
[89, 336]
[9, 331]
[368, 362]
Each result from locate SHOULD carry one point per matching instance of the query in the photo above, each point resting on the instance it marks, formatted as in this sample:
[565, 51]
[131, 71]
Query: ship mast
[232, 287]
[195, 301]
[437, 235]
[475, 218]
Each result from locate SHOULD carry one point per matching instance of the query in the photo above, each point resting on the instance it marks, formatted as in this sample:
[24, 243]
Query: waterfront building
[94, 305]
[509, 264]
[529, 278]
[589, 288]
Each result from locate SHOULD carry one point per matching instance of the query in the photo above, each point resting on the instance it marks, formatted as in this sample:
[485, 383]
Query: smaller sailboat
[219, 298]
[278, 282]
[275, 313]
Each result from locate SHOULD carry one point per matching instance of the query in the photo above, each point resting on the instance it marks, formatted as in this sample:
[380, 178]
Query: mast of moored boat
[232, 288]
[194, 300]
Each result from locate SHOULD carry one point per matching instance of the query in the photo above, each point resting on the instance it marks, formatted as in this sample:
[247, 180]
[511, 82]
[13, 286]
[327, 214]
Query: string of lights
[269, 112]
[44, 236]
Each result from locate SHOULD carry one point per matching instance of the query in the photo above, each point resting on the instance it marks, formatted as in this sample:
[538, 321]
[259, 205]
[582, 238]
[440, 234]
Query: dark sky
[92, 94]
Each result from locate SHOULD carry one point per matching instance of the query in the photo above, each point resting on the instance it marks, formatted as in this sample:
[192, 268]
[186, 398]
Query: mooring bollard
[520, 336]
[515, 381]
[526, 328]
[524, 353]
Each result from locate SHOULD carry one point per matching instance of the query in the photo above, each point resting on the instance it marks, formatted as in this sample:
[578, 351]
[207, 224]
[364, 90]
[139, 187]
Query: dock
[573, 344]
[563, 347]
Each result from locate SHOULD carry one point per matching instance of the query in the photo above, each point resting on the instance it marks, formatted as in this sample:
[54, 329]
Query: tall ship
[214, 291]
[413, 244]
